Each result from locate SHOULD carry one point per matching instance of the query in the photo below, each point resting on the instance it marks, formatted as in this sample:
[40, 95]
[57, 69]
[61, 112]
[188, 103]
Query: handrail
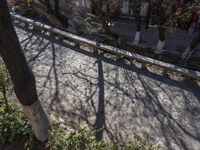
[121, 52]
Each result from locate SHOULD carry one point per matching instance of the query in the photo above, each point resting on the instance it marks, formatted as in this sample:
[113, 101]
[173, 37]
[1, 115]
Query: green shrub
[140, 143]
[14, 126]
[5, 82]
[89, 21]
[61, 139]
[13, 123]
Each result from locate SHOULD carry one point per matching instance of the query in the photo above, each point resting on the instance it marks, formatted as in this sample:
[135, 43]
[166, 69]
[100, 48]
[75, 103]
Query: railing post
[26, 24]
[144, 66]
[60, 37]
[94, 50]
[36, 28]
[49, 33]
[77, 44]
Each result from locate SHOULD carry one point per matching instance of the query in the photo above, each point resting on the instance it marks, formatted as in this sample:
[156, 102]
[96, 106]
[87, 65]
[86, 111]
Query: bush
[5, 82]
[13, 123]
[62, 139]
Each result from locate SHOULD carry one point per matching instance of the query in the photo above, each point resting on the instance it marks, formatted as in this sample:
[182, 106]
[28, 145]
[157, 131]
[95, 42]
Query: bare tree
[21, 75]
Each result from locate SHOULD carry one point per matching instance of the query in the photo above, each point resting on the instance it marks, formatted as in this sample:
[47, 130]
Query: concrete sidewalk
[176, 41]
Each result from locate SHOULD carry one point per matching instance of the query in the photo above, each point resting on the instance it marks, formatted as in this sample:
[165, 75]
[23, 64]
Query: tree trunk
[136, 5]
[161, 42]
[59, 15]
[21, 75]
[161, 27]
[148, 17]
[191, 49]
[48, 5]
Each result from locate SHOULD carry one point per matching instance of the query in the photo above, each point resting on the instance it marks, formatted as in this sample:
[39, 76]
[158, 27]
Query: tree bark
[58, 14]
[148, 17]
[191, 48]
[195, 42]
[136, 5]
[21, 75]
[161, 19]
[48, 5]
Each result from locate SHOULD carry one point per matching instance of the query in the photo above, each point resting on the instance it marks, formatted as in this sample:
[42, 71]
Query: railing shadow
[114, 97]
[100, 116]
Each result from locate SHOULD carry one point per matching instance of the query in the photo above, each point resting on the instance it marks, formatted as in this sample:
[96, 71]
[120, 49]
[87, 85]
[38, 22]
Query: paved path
[96, 91]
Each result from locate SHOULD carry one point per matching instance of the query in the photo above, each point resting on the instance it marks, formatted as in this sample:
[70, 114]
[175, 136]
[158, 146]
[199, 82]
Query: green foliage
[140, 143]
[13, 123]
[14, 126]
[61, 139]
[89, 21]
[5, 82]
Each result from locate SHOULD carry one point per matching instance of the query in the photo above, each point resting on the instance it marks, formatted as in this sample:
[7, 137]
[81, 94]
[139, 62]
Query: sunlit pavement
[98, 92]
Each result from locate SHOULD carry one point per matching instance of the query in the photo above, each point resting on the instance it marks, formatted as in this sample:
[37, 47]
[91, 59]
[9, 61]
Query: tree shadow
[172, 128]
[56, 82]
[114, 97]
